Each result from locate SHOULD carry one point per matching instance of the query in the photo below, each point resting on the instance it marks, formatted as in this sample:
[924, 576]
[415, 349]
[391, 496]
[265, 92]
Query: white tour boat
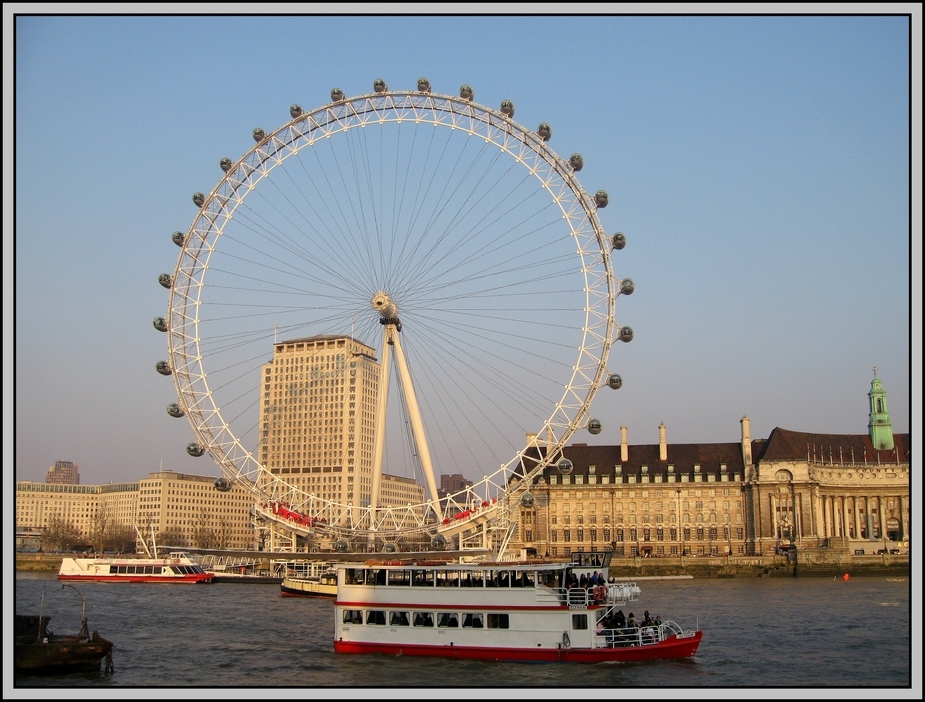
[533, 611]
[176, 567]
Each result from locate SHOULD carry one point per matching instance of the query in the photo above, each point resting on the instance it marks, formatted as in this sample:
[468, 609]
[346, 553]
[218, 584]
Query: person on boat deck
[631, 621]
[619, 619]
[599, 629]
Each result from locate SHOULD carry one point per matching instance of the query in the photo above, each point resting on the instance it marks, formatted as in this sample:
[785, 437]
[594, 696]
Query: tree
[59, 534]
[101, 527]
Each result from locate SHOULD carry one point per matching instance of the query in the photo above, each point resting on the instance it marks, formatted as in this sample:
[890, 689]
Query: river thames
[837, 638]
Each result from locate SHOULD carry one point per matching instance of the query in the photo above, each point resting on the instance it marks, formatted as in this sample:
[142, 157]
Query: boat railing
[636, 636]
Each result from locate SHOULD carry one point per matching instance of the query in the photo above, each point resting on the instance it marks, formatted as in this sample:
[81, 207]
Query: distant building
[63, 473]
[179, 507]
[450, 484]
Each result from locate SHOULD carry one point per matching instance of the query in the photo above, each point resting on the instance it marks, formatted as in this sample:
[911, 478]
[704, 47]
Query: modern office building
[63, 473]
[185, 510]
[318, 416]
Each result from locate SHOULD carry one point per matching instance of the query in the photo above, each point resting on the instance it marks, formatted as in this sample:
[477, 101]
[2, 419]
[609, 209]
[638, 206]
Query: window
[473, 621]
[579, 621]
[398, 619]
[353, 616]
[447, 619]
[423, 619]
[498, 621]
[375, 616]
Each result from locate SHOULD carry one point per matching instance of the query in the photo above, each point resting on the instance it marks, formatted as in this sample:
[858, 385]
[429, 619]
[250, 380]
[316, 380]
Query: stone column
[857, 519]
[827, 517]
[881, 512]
[844, 507]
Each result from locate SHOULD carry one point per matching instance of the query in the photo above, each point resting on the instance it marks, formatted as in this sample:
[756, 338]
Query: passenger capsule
[576, 162]
[258, 134]
[466, 92]
[438, 542]
[173, 409]
[618, 241]
[295, 111]
[337, 95]
[178, 238]
[423, 85]
[594, 426]
[222, 484]
[544, 131]
[626, 334]
[225, 164]
[199, 199]
[194, 450]
[160, 324]
[614, 382]
[389, 547]
[379, 85]
[342, 545]
[565, 466]
[527, 500]
[165, 280]
[627, 286]
[507, 107]
[601, 198]
[163, 368]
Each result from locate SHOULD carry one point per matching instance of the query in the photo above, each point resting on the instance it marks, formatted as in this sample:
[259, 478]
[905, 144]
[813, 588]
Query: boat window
[498, 621]
[423, 619]
[448, 578]
[447, 619]
[399, 577]
[354, 576]
[579, 621]
[472, 620]
[398, 618]
[375, 616]
[423, 578]
[353, 616]
[375, 576]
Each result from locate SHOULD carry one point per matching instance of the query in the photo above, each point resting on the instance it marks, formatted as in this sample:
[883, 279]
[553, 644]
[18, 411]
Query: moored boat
[536, 611]
[324, 585]
[176, 567]
[38, 651]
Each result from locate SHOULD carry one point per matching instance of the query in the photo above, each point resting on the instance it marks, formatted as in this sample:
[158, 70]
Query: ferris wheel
[451, 246]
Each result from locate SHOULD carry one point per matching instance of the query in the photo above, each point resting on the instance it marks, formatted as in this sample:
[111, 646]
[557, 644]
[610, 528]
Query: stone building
[752, 497]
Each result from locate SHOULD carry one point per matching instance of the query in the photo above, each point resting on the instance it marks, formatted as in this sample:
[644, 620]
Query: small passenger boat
[531, 611]
[38, 651]
[324, 585]
[176, 567]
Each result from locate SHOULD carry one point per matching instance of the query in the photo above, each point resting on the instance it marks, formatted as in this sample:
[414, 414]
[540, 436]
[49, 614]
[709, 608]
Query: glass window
[423, 619]
[375, 616]
[498, 621]
[447, 619]
[398, 619]
[579, 621]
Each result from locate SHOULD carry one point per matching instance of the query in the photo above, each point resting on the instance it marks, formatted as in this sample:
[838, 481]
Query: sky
[759, 166]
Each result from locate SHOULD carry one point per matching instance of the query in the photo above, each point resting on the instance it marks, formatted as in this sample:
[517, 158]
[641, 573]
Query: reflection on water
[758, 633]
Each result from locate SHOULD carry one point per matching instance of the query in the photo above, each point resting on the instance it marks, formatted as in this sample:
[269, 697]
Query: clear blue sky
[759, 166]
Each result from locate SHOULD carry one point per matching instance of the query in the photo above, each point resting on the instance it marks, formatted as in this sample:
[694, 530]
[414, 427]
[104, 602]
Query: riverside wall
[809, 563]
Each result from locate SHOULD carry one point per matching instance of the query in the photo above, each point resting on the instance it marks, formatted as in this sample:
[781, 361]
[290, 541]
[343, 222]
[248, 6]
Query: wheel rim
[480, 232]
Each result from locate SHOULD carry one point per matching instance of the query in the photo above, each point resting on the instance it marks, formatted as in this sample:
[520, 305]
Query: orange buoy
[845, 577]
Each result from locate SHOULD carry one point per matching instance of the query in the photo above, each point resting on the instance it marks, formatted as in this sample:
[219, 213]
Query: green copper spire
[879, 428]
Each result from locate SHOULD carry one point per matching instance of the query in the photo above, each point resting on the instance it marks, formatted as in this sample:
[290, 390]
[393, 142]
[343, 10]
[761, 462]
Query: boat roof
[528, 565]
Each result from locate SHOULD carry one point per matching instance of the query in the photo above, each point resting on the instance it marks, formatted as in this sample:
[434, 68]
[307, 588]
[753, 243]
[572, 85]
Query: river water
[848, 638]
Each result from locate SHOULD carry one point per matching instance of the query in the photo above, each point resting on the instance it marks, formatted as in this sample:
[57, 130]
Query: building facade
[318, 416]
[795, 489]
[63, 473]
[178, 507]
